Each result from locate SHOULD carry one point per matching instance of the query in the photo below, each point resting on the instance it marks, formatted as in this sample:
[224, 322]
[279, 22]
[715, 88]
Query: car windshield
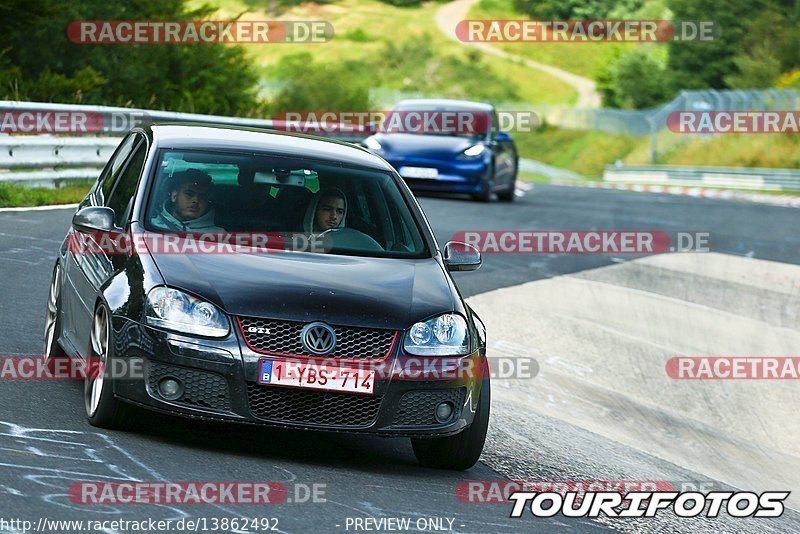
[312, 205]
[432, 119]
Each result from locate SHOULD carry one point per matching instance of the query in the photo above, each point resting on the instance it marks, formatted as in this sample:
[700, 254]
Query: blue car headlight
[473, 153]
[445, 335]
[175, 310]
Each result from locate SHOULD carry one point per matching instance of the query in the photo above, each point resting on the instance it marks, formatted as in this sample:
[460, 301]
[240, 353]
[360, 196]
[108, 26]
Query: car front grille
[200, 389]
[283, 339]
[417, 407]
[332, 408]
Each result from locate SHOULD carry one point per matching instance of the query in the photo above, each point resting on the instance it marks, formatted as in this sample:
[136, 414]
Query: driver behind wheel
[188, 207]
[327, 211]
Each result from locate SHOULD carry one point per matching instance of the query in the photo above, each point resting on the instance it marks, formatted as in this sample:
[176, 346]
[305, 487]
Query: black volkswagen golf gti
[268, 278]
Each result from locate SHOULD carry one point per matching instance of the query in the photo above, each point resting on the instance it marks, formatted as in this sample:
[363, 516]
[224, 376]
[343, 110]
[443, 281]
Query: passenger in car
[188, 207]
[327, 210]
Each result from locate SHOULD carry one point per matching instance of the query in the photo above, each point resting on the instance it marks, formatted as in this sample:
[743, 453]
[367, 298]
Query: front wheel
[508, 194]
[52, 321]
[461, 451]
[488, 187]
[102, 408]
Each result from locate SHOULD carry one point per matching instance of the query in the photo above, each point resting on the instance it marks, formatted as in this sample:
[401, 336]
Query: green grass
[18, 195]
[578, 58]
[363, 28]
[533, 177]
[750, 150]
[586, 153]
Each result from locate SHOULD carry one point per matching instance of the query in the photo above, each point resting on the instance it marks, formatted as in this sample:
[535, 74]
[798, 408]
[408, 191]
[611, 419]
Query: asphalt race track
[601, 328]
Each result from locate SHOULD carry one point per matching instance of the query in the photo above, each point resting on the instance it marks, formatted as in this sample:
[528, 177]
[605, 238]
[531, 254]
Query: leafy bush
[577, 9]
[459, 76]
[358, 36]
[635, 79]
[403, 3]
[314, 85]
[40, 63]
[759, 40]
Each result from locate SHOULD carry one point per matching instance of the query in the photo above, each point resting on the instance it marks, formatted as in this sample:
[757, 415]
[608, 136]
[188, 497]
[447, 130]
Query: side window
[115, 167]
[361, 207]
[126, 185]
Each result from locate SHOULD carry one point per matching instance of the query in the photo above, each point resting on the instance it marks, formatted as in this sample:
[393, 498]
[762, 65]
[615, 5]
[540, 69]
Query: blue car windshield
[315, 206]
[427, 119]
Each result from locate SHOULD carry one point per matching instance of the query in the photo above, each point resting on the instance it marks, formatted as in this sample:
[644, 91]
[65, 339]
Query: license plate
[419, 172]
[316, 376]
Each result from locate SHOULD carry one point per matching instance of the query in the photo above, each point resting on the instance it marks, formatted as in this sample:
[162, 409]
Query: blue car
[442, 156]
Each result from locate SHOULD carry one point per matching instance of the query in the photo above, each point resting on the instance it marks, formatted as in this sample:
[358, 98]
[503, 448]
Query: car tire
[488, 187]
[52, 323]
[461, 451]
[103, 409]
[507, 195]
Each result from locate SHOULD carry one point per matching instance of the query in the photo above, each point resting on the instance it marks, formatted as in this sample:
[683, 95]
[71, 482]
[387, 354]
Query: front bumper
[219, 379]
[454, 176]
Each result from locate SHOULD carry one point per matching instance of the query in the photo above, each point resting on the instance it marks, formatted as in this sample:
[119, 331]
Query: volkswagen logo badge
[318, 338]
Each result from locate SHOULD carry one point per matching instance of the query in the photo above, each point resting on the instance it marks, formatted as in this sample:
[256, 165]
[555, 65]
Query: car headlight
[175, 310]
[474, 151]
[445, 335]
[372, 144]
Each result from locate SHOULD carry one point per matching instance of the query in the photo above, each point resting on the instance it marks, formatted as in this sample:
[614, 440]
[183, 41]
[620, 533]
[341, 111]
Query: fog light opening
[170, 388]
[444, 412]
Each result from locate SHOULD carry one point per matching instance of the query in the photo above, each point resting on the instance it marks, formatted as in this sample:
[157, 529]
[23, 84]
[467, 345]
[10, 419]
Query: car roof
[230, 138]
[450, 103]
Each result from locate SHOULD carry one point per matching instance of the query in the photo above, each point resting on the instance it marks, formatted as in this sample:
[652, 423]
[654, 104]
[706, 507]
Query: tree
[701, 65]
[637, 78]
[39, 62]
[769, 47]
[311, 85]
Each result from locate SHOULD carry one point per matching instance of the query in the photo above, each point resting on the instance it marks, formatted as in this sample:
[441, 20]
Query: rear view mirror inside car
[292, 178]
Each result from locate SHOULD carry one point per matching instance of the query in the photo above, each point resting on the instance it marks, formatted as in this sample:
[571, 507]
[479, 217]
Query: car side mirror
[461, 256]
[94, 219]
[502, 136]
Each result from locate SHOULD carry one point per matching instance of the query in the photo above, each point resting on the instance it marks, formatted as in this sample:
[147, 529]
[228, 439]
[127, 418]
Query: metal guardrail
[84, 157]
[109, 120]
[726, 177]
[54, 158]
[46, 151]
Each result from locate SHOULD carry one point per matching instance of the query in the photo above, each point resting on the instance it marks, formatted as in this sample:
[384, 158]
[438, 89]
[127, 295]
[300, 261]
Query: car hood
[341, 290]
[423, 145]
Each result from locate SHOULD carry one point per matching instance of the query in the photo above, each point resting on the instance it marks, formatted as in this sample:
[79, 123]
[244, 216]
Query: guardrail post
[653, 139]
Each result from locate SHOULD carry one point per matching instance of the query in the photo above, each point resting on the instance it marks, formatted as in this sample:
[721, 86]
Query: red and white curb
[787, 201]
